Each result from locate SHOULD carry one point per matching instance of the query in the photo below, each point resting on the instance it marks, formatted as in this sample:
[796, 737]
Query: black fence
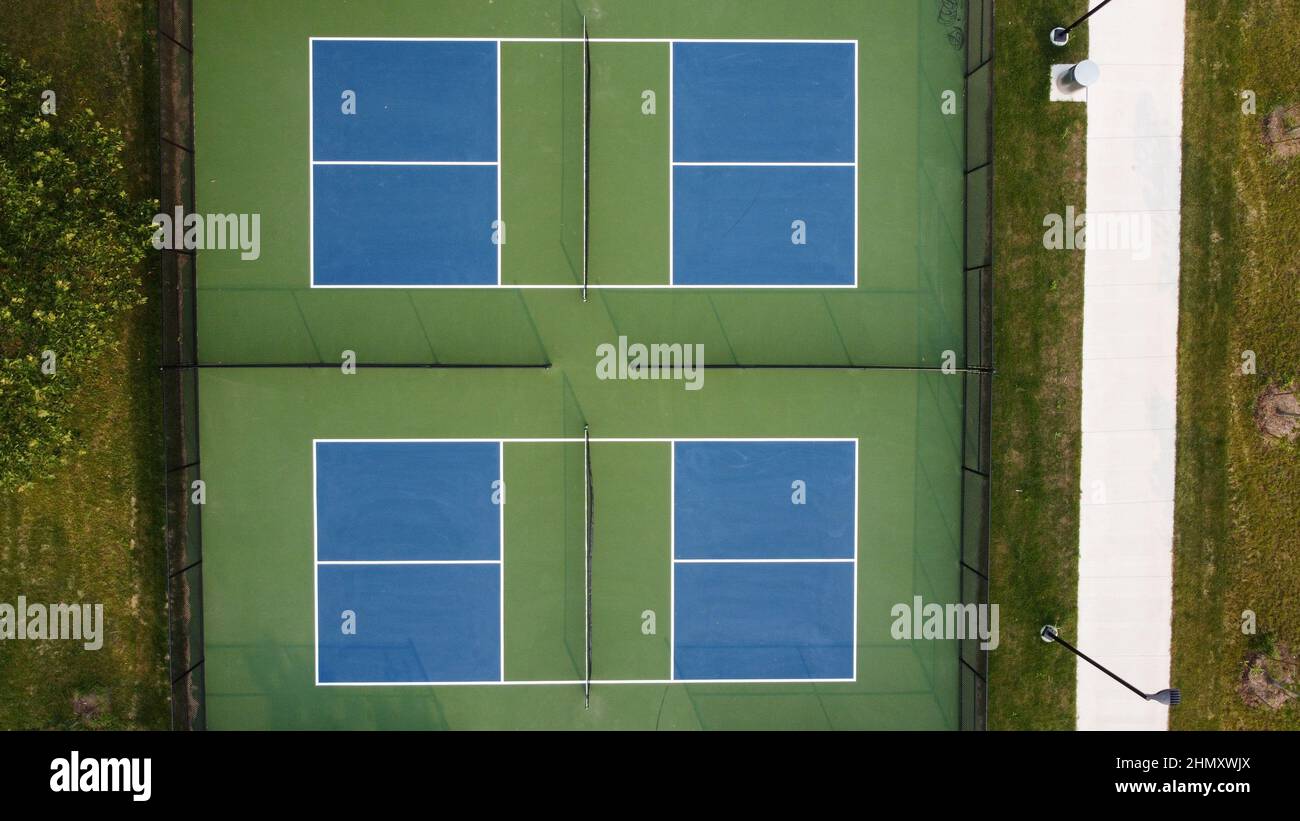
[180, 383]
[180, 356]
[973, 661]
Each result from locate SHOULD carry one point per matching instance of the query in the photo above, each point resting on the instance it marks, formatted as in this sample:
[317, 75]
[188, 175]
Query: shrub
[71, 240]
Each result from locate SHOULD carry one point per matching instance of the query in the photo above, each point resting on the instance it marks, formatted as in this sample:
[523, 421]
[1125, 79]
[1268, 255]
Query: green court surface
[258, 424]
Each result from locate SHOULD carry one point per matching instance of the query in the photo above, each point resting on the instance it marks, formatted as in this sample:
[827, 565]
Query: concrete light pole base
[1070, 81]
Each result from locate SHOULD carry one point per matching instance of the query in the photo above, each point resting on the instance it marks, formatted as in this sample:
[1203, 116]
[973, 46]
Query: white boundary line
[579, 40]
[406, 561]
[311, 174]
[609, 286]
[404, 162]
[765, 164]
[315, 569]
[672, 516]
[580, 682]
[624, 439]
[765, 561]
[856, 470]
[500, 221]
[672, 164]
[501, 555]
[857, 229]
[586, 565]
[586, 172]
[672, 560]
[672, 556]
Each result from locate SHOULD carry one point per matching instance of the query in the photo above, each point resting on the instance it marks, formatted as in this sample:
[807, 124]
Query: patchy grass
[1038, 346]
[94, 533]
[1237, 511]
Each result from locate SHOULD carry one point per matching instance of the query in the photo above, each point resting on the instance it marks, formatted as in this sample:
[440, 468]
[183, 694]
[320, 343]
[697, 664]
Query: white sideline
[1130, 343]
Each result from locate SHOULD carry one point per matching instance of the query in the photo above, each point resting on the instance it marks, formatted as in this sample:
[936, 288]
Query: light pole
[1061, 34]
[1169, 698]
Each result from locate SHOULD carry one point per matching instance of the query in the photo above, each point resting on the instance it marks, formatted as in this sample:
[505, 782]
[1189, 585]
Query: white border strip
[625, 439]
[672, 560]
[580, 682]
[311, 172]
[579, 40]
[856, 471]
[672, 163]
[407, 561]
[404, 162]
[857, 229]
[500, 210]
[315, 570]
[765, 164]
[764, 561]
[609, 286]
[501, 556]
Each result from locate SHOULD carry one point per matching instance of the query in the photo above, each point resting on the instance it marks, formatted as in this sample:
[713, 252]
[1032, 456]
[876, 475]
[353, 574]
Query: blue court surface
[413, 623]
[764, 560]
[415, 101]
[764, 102]
[407, 501]
[737, 499]
[788, 621]
[405, 225]
[405, 184]
[732, 225]
[409, 543]
[764, 156]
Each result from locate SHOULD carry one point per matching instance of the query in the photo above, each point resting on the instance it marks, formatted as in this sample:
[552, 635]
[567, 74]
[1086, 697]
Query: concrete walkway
[1130, 339]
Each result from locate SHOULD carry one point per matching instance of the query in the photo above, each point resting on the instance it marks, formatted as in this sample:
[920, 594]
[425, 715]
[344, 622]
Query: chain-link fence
[180, 381]
[979, 351]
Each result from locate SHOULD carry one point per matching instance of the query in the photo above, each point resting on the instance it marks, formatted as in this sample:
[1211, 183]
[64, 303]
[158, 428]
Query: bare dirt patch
[1277, 413]
[1282, 132]
[1269, 681]
[88, 707]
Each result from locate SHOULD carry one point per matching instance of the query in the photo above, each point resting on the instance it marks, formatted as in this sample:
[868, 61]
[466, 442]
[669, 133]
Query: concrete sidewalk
[1130, 341]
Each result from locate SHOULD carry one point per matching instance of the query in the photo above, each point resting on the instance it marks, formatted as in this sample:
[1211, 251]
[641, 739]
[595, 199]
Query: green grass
[1038, 348]
[94, 533]
[1237, 493]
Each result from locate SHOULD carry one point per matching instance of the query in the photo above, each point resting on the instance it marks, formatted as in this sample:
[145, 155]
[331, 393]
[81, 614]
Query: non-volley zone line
[406, 163]
[409, 539]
